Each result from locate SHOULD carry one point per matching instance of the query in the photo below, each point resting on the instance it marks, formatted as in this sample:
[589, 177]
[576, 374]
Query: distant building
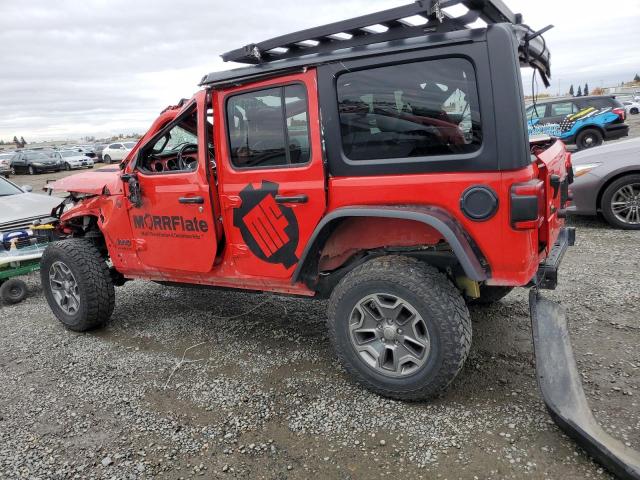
[623, 91]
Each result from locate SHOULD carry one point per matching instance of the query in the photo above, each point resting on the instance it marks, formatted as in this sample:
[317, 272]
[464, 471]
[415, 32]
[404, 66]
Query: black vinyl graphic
[269, 229]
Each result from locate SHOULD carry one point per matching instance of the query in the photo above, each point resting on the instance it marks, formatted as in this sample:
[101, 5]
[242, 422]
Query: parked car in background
[632, 107]
[607, 181]
[98, 148]
[5, 164]
[116, 152]
[33, 162]
[87, 150]
[72, 159]
[583, 121]
[19, 208]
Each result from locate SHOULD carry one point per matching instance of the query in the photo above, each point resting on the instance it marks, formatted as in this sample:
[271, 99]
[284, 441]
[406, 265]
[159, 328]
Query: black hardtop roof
[569, 98]
[355, 37]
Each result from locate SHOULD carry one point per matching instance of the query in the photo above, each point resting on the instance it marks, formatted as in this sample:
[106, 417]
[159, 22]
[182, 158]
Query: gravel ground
[181, 384]
[188, 382]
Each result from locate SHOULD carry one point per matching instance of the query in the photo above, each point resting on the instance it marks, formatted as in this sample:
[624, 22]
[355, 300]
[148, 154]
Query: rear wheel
[491, 294]
[107, 159]
[399, 327]
[31, 170]
[588, 138]
[77, 284]
[13, 290]
[621, 203]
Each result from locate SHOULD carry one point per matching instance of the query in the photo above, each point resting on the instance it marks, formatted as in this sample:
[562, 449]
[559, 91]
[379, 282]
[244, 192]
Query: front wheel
[588, 138]
[67, 167]
[633, 111]
[621, 203]
[399, 327]
[77, 284]
[32, 170]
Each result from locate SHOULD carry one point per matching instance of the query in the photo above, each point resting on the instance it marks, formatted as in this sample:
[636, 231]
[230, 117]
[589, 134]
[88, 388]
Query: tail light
[527, 205]
[621, 113]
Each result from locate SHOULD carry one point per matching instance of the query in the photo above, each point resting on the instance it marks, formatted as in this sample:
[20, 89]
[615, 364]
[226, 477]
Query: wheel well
[343, 242]
[86, 226]
[609, 182]
[590, 127]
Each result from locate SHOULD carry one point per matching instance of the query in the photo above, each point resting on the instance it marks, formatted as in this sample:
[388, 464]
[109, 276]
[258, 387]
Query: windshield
[129, 144]
[8, 188]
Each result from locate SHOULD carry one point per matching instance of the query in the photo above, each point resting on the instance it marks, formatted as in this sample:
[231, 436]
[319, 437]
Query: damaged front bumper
[562, 391]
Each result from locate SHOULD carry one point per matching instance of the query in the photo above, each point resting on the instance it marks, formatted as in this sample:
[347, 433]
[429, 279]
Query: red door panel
[170, 232]
[271, 204]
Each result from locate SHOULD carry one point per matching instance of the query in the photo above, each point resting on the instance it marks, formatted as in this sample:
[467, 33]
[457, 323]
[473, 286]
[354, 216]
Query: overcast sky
[97, 67]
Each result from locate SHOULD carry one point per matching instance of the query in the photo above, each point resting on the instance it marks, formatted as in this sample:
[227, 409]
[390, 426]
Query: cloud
[71, 67]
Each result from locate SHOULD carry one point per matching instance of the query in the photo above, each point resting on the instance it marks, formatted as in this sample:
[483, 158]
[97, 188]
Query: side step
[562, 391]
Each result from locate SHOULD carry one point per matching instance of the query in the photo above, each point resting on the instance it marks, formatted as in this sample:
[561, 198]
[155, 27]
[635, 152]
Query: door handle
[191, 200]
[302, 198]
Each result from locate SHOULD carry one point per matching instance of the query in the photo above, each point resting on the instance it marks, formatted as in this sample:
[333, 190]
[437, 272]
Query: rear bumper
[616, 130]
[547, 274]
[561, 387]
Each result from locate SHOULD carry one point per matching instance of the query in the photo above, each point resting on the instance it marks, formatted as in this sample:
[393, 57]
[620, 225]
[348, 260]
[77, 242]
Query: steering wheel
[189, 163]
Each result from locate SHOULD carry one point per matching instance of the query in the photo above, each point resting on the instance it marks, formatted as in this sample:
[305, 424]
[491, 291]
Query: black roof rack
[429, 16]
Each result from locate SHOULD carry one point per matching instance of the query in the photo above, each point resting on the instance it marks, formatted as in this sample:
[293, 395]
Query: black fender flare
[467, 252]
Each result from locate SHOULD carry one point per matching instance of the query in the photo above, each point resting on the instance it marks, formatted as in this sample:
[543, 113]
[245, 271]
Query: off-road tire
[431, 294]
[605, 202]
[588, 138]
[96, 290]
[106, 159]
[490, 294]
[13, 290]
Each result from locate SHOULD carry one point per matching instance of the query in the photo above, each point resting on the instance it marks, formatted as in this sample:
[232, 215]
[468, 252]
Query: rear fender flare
[467, 252]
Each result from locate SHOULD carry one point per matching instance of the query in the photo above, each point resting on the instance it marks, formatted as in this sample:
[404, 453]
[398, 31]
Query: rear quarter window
[604, 102]
[418, 109]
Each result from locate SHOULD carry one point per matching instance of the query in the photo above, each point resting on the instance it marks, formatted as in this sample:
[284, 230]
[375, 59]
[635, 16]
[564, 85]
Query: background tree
[22, 142]
[636, 78]
[571, 91]
[586, 89]
[579, 94]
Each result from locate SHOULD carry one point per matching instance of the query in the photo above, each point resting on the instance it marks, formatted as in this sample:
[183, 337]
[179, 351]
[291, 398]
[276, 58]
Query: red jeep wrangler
[382, 162]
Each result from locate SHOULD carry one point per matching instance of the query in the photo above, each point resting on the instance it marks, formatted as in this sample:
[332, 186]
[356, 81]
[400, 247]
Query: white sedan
[632, 107]
[116, 152]
[73, 159]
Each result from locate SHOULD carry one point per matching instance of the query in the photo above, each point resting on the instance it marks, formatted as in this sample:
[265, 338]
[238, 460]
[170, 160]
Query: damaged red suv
[387, 169]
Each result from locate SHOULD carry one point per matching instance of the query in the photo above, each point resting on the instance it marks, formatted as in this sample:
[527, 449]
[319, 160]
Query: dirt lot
[186, 383]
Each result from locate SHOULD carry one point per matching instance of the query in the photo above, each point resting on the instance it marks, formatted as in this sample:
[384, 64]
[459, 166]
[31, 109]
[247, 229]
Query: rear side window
[603, 102]
[114, 146]
[410, 110]
[269, 128]
[564, 108]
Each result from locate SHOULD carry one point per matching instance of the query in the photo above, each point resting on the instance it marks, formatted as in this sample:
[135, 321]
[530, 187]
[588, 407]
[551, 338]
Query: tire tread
[100, 292]
[426, 282]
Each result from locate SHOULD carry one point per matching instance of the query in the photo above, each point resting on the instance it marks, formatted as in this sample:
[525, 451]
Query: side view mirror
[27, 188]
